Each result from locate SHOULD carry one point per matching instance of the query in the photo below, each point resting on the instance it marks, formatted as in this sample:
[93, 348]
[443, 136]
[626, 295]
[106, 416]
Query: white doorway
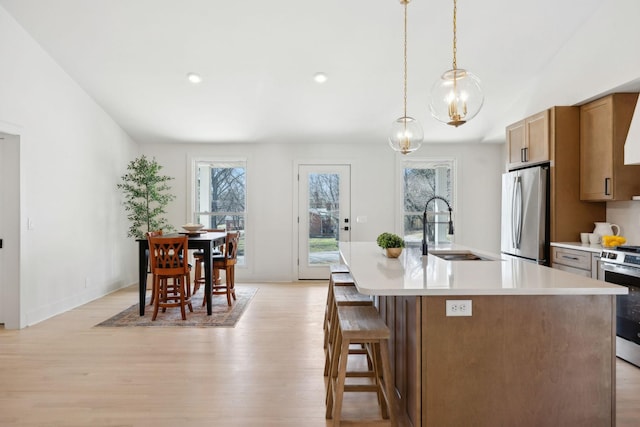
[324, 216]
[10, 230]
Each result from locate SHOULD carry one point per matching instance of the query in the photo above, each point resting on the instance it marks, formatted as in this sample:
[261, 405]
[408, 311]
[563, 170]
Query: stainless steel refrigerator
[525, 217]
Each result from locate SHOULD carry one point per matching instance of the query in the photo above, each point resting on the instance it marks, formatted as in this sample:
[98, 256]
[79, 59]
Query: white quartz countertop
[579, 246]
[413, 274]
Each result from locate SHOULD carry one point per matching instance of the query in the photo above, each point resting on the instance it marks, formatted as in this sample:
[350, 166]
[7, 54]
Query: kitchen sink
[459, 256]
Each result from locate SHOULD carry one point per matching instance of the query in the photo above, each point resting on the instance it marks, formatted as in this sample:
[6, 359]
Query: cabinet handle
[570, 257]
[524, 154]
[607, 186]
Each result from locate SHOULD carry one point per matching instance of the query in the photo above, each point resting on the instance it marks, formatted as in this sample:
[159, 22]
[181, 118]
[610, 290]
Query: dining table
[204, 241]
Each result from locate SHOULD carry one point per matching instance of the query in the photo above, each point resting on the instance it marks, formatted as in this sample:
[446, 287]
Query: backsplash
[627, 216]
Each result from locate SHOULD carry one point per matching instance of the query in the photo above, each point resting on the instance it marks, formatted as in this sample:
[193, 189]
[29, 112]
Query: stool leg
[332, 333]
[156, 292]
[197, 275]
[232, 273]
[374, 350]
[386, 376]
[333, 368]
[340, 379]
[327, 307]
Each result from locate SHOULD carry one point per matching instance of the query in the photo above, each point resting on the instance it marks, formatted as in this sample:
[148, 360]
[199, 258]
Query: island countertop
[413, 274]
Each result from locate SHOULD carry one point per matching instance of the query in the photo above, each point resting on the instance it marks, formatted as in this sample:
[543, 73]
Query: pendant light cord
[405, 59]
[455, 38]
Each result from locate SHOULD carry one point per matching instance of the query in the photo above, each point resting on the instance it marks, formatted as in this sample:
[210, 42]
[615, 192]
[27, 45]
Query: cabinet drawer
[571, 258]
[573, 270]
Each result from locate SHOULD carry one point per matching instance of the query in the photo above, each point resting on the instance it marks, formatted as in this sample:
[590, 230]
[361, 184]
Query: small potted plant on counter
[391, 243]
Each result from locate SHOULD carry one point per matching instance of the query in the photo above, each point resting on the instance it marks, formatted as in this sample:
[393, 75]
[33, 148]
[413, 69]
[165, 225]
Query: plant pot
[393, 252]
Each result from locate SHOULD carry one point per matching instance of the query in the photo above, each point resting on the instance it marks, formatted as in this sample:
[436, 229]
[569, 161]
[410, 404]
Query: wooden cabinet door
[528, 140]
[596, 150]
[537, 137]
[515, 143]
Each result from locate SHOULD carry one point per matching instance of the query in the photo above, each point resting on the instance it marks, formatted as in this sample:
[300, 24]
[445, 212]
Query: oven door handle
[621, 269]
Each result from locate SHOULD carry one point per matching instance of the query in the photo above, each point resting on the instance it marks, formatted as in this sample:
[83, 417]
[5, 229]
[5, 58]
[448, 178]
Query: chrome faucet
[425, 250]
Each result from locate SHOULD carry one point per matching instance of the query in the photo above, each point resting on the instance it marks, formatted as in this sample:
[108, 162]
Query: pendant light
[457, 96]
[406, 132]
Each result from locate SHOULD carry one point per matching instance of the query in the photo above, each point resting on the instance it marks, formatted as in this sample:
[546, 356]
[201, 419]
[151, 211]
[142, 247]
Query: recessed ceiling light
[194, 78]
[320, 77]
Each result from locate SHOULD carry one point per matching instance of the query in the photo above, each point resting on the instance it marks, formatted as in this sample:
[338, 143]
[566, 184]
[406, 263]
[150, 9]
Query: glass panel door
[323, 219]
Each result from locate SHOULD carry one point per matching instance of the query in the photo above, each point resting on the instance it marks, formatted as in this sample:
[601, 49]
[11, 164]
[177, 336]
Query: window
[220, 197]
[423, 179]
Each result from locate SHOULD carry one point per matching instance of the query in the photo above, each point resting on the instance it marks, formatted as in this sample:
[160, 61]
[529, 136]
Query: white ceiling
[258, 58]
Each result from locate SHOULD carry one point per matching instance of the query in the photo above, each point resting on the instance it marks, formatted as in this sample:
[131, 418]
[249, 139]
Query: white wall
[71, 156]
[270, 175]
[627, 216]
[601, 56]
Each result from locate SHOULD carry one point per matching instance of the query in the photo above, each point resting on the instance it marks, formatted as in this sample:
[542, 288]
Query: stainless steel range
[621, 266]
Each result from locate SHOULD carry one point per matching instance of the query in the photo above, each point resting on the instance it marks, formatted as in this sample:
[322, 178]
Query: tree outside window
[423, 179]
[221, 197]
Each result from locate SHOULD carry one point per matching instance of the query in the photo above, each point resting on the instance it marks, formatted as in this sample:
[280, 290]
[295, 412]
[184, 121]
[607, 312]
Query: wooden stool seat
[338, 268]
[339, 278]
[361, 325]
[349, 295]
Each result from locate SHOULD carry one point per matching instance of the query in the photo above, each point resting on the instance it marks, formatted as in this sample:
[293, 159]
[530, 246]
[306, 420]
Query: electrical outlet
[459, 307]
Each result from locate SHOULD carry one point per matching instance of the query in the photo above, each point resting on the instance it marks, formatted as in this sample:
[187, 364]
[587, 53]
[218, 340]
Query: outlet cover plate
[459, 307]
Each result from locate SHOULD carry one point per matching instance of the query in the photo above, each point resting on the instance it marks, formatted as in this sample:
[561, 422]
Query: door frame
[11, 205]
[296, 204]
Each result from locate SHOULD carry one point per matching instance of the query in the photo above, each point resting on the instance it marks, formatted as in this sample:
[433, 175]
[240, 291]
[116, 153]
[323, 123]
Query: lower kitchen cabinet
[583, 262]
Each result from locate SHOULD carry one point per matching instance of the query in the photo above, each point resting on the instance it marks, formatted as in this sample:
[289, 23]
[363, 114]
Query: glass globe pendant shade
[406, 135]
[456, 97]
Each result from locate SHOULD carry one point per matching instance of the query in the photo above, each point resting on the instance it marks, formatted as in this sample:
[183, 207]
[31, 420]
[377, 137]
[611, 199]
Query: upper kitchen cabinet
[556, 132]
[604, 124]
[528, 141]
[568, 214]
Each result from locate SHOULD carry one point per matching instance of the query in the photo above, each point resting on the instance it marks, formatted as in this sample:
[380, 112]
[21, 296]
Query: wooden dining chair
[227, 262]
[198, 256]
[171, 274]
[155, 233]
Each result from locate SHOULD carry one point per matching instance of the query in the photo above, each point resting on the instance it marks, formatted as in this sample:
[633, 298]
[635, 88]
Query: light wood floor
[267, 371]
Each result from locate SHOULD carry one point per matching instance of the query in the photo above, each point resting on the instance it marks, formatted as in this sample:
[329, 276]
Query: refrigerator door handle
[513, 213]
[518, 212]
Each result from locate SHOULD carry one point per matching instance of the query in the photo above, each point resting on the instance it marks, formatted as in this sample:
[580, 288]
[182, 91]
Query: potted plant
[146, 197]
[391, 243]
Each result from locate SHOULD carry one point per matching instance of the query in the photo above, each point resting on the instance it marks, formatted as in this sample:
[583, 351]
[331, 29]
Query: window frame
[424, 163]
[193, 214]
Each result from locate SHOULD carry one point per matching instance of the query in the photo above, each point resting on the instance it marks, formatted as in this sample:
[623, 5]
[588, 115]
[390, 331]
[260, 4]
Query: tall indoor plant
[147, 194]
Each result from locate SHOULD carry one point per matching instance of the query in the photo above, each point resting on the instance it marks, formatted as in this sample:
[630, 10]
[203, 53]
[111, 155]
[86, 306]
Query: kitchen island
[538, 348]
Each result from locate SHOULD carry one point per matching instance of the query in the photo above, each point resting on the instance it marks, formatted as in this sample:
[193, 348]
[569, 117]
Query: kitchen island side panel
[403, 317]
[519, 360]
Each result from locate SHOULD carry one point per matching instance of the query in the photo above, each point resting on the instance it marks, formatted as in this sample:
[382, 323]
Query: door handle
[607, 186]
[346, 228]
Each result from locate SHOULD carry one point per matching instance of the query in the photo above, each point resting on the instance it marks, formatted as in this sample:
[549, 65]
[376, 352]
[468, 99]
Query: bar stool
[198, 256]
[171, 274]
[342, 296]
[361, 325]
[339, 277]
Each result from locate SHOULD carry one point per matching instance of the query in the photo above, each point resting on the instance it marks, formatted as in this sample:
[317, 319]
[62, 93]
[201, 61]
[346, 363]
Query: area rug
[222, 315]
